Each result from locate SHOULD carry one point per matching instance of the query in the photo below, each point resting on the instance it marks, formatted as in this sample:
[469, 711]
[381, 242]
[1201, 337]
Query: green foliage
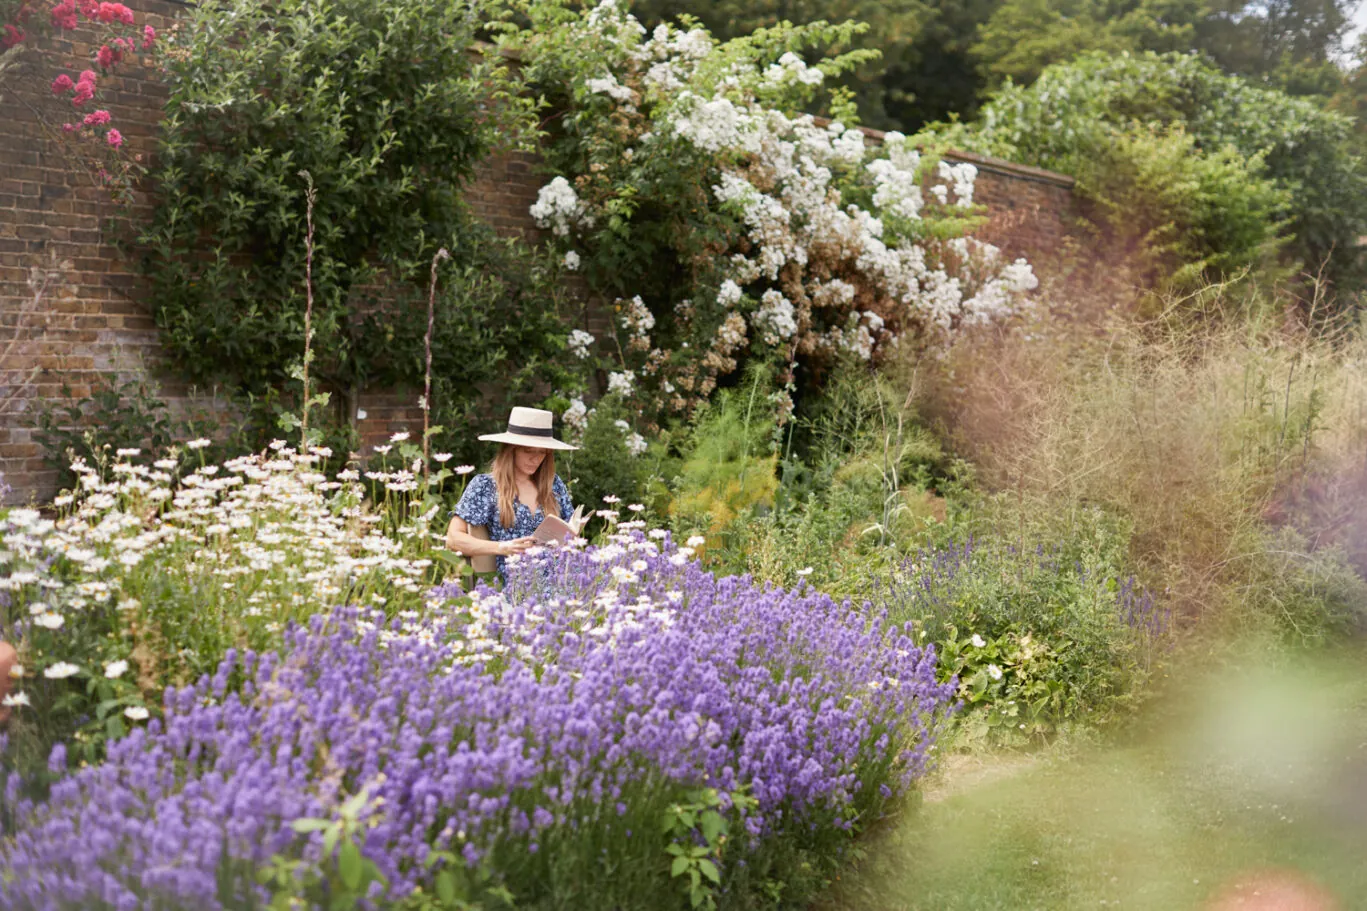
[699, 829]
[342, 880]
[604, 467]
[1180, 214]
[1351, 98]
[943, 80]
[1070, 118]
[123, 415]
[1289, 44]
[1042, 636]
[727, 474]
[114, 416]
[895, 31]
[389, 108]
[498, 339]
[852, 490]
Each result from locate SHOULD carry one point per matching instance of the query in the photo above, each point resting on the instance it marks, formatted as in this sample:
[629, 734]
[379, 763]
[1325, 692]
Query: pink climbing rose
[114, 138]
[108, 56]
[85, 88]
[62, 84]
[64, 14]
[115, 12]
[149, 37]
[97, 118]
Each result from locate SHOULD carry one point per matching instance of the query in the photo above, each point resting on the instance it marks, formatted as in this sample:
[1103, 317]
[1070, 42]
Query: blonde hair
[505, 480]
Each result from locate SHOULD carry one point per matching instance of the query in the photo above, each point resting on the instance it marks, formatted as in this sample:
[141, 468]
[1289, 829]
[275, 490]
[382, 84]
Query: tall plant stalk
[427, 372]
[310, 196]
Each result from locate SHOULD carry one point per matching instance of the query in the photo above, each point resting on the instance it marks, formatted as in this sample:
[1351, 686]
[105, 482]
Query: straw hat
[529, 427]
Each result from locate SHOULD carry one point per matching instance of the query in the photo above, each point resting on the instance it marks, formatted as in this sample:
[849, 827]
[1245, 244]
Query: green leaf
[349, 865]
[712, 825]
[334, 831]
[353, 805]
[679, 867]
[446, 887]
[710, 870]
[304, 826]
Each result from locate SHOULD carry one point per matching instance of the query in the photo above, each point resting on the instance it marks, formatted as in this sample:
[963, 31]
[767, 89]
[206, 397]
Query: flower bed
[619, 728]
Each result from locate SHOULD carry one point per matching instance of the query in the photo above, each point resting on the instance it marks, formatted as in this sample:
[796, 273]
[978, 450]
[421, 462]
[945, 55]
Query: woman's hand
[515, 546]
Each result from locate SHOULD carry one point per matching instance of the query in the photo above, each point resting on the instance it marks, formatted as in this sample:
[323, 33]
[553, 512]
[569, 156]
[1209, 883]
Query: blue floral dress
[479, 506]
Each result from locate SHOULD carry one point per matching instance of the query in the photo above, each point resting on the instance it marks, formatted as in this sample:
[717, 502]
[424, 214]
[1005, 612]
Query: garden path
[1246, 790]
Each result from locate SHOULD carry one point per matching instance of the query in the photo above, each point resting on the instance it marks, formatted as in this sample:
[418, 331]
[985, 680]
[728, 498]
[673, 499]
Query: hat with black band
[530, 427]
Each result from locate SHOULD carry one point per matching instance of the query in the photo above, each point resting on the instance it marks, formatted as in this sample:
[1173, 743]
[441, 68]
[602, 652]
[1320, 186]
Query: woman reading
[520, 489]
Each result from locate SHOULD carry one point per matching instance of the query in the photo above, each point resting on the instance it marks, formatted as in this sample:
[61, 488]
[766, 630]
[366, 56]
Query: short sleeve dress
[479, 506]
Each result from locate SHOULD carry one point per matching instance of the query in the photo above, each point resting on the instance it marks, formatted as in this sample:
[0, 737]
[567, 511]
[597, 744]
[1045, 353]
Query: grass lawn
[1245, 778]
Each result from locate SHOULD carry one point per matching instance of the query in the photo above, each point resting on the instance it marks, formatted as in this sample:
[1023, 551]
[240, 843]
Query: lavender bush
[616, 729]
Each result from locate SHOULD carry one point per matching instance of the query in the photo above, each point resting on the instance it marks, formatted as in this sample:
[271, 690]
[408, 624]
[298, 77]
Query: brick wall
[93, 321]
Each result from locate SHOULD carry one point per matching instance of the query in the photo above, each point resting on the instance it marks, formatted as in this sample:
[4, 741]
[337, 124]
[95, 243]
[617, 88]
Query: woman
[517, 493]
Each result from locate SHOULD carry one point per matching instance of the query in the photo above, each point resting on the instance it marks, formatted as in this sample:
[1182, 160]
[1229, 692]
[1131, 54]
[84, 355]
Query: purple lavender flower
[615, 677]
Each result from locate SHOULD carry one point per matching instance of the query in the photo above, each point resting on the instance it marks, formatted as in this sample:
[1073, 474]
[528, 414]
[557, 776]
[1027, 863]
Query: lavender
[534, 737]
[1142, 613]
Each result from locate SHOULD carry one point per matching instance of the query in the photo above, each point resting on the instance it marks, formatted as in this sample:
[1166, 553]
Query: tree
[941, 78]
[894, 29]
[1290, 44]
[926, 72]
[1070, 118]
[1024, 36]
[1351, 98]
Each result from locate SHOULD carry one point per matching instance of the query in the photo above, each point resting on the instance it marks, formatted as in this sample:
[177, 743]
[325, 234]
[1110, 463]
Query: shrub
[611, 462]
[852, 491]
[618, 729]
[1039, 637]
[727, 476]
[727, 225]
[1177, 213]
[129, 415]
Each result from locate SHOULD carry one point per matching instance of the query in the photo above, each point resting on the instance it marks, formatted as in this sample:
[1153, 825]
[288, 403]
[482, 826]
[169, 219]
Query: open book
[553, 528]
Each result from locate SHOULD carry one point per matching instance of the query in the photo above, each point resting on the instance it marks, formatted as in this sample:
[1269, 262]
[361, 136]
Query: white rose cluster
[636, 317]
[558, 207]
[576, 418]
[581, 343]
[776, 320]
[837, 249]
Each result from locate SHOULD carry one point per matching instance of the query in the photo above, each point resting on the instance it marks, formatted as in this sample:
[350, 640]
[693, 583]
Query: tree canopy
[942, 58]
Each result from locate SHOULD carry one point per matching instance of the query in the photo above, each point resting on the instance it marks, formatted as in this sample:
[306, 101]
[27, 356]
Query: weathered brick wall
[90, 320]
[93, 321]
[1028, 208]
